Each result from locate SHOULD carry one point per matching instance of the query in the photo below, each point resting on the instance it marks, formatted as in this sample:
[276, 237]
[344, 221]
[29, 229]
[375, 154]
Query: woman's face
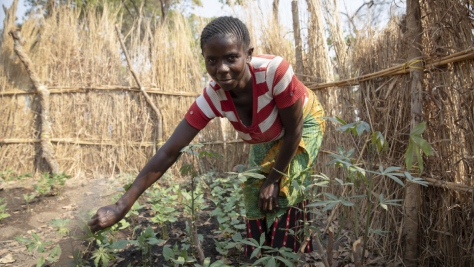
[226, 62]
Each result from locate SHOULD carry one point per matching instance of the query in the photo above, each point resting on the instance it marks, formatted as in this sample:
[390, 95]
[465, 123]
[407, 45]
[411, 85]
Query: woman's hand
[105, 217]
[268, 199]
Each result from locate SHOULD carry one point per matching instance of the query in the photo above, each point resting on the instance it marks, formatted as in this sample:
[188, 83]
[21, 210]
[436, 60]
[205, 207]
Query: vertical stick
[412, 191]
[45, 137]
[357, 252]
[320, 249]
[276, 9]
[297, 35]
[148, 99]
[330, 245]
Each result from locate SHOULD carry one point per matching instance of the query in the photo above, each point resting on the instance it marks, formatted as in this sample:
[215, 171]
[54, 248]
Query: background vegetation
[102, 124]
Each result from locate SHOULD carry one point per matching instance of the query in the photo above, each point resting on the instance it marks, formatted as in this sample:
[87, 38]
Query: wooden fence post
[45, 136]
[159, 117]
[297, 34]
[412, 190]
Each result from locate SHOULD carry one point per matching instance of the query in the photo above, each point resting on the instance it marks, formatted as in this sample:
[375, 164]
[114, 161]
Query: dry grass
[114, 129]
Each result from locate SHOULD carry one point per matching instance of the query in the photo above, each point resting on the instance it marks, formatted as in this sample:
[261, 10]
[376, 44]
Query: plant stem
[369, 209]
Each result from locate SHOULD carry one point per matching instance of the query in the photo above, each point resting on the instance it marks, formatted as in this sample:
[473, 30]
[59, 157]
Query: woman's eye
[211, 61]
[232, 58]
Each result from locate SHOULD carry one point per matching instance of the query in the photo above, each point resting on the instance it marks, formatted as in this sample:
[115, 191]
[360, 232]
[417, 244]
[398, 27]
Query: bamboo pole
[412, 191]
[70, 90]
[159, 117]
[430, 64]
[45, 136]
[98, 142]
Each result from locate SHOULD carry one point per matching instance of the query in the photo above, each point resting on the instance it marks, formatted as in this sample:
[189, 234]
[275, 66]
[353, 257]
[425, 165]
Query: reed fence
[101, 122]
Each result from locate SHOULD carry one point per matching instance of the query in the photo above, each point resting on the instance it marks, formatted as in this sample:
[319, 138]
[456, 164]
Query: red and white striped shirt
[274, 86]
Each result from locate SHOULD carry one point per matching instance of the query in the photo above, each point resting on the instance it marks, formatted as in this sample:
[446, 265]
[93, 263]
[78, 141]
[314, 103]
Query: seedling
[48, 182]
[7, 175]
[61, 226]
[163, 202]
[27, 199]
[3, 214]
[145, 241]
[102, 256]
[176, 256]
[271, 256]
[37, 245]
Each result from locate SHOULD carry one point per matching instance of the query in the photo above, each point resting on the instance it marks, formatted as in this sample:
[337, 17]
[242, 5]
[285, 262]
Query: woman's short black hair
[224, 26]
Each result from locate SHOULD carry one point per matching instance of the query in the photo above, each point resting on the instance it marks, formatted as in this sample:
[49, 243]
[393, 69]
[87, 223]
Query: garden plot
[49, 230]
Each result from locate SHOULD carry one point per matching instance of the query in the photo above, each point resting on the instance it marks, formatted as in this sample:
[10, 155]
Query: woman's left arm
[292, 120]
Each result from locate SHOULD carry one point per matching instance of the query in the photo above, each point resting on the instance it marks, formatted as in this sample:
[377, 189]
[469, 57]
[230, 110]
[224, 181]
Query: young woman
[270, 109]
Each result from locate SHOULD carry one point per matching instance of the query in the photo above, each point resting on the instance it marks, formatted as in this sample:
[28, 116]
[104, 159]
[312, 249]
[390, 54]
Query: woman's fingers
[268, 204]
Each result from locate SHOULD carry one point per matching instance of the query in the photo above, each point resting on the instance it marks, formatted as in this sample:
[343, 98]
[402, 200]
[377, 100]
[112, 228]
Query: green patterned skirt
[263, 156]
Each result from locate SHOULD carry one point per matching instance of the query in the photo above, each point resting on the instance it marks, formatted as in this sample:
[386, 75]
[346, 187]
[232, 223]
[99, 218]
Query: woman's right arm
[153, 170]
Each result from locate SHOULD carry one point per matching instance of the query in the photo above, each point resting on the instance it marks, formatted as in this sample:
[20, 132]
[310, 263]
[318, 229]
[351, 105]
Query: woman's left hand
[268, 198]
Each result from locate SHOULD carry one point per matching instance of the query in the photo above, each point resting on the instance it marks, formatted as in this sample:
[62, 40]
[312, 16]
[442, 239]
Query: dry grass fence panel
[445, 214]
[103, 125]
[448, 105]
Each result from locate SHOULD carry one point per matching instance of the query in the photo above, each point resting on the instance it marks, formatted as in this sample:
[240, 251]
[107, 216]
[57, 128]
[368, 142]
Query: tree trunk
[297, 35]
[276, 4]
[319, 63]
[412, 191]
[335, 28]
[45, 137]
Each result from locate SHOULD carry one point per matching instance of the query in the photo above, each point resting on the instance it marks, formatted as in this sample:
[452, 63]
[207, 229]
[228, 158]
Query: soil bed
[77, 199]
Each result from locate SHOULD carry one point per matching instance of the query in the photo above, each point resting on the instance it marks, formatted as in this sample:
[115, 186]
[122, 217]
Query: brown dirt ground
[76, 200]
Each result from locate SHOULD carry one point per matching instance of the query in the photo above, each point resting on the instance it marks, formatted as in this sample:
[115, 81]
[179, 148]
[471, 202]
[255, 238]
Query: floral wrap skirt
[263, 156]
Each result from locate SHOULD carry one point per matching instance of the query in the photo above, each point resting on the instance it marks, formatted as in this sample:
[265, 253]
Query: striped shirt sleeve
[201, 111]
[281, 79]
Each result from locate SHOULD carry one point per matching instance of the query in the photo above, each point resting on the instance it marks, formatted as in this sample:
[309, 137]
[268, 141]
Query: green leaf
[419, 159]
[41, 261]
[418, 129]
[120, 244]
[285, 261]
[347, 203]
[254, 175]
[250, 241]
[154, 241]
[392, 174]
[331, 196]
[54, 254]
[255, 252]
[237, 237]
[379, 231]
[180, 260]
[167, 253]
[288, 254]
[362, 127]
[321, 203]
[426, 148]
[379, 141]
[262, 240]
[271, 262]
[219, 263]
[230, 245]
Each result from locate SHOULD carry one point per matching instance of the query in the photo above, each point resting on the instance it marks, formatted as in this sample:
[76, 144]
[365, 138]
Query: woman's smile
[226, 62]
